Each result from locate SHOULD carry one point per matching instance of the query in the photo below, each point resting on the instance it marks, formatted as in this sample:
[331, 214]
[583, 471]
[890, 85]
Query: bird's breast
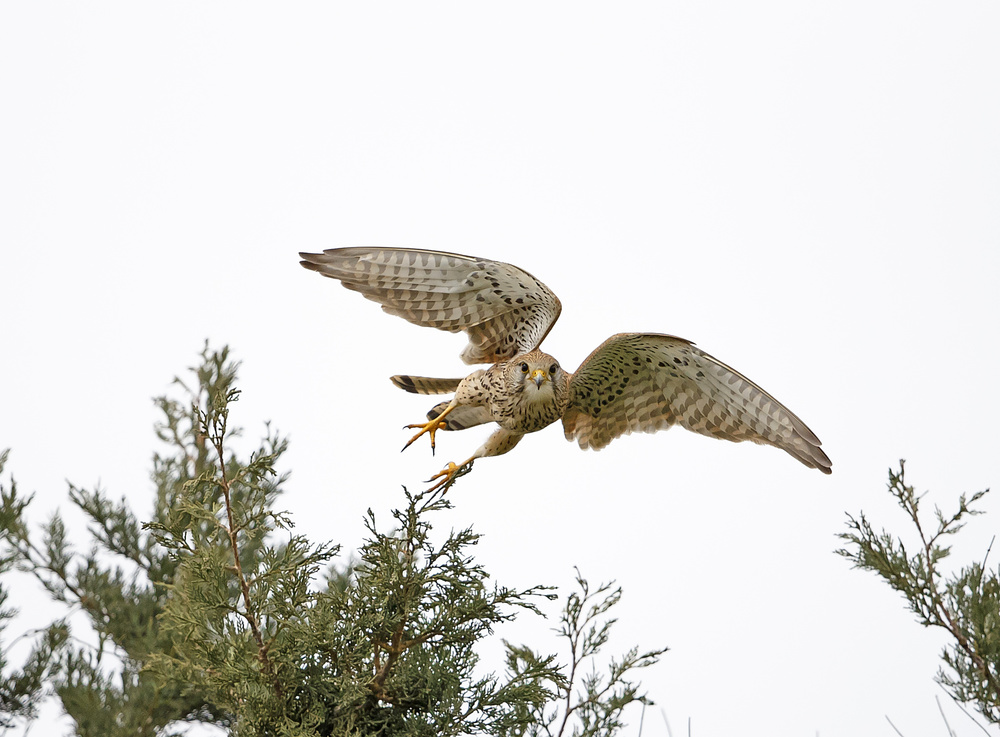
[526, 412]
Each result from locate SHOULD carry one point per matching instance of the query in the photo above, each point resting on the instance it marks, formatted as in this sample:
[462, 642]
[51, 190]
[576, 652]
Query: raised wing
[503, 309]
[644, 382]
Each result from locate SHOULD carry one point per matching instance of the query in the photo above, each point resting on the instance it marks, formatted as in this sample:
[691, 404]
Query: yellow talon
[447, 474]
[431, 427]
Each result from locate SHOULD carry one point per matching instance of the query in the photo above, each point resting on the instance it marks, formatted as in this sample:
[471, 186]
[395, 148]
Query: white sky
[810, 191]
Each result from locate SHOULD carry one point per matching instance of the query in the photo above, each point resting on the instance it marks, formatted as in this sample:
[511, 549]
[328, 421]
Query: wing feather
[644, 382]
[503, 310]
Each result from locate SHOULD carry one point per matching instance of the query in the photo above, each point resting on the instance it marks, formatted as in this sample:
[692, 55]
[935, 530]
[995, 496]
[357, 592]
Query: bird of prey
[632, 382]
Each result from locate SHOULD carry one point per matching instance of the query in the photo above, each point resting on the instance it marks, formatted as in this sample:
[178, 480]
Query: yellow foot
[447, 475]
[431, 427]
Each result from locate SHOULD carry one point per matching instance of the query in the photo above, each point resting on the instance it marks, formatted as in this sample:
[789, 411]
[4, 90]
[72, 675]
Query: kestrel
[633, 382]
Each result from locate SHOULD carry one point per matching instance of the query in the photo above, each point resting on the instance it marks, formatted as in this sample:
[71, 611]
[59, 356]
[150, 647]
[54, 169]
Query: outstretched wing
[643, 382]
[503, 309]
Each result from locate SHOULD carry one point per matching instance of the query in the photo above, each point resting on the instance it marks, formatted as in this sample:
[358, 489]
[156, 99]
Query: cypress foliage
[21, 688]
[965, 603]
[215, 611]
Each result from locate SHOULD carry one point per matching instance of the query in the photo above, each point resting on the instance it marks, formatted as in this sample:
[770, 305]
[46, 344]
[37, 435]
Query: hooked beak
[539, 376]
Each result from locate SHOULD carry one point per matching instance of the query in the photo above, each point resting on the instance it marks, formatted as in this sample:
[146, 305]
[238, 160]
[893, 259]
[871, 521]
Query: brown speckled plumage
[633, 382]
[504, 310]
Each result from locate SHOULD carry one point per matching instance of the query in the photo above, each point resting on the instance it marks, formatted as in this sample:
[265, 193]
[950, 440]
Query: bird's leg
[431, 426]
[496, 444]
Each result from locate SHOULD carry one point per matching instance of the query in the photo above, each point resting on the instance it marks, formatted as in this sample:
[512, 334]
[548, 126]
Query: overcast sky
[809, 191]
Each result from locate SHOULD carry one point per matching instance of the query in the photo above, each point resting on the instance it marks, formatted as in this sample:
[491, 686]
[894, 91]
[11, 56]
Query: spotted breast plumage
[633, 382]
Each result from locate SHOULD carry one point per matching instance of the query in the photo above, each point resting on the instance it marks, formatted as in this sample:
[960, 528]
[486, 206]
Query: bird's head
[536, 375]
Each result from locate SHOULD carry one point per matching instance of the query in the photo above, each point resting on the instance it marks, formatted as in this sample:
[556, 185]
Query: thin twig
[574, 640]
[663, 713]
[940, 609]
[965, 711]
[951, 732]
[982, 568]
[36, 559]
[397, 644]
[219, 431]
[893, 725]
[992, 540]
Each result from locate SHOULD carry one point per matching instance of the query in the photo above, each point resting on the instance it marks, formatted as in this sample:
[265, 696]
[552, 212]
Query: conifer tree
[215, 611]
[965, 603]
[21, 688]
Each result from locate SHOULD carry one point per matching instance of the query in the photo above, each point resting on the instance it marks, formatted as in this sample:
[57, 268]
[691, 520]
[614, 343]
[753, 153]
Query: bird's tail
[460, 417]
[425, 385]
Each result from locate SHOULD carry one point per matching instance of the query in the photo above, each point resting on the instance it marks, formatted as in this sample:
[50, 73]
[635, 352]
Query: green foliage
[597, 707]
[966, 603]
[121, 583]
[22, 688]
[216, 611]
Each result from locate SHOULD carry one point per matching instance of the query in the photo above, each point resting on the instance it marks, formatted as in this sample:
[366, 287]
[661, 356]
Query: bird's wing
[503, 309]
[643, 382]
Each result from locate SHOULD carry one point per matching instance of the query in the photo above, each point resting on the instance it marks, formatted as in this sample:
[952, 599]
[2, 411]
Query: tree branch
[216, 437]
[944, 616]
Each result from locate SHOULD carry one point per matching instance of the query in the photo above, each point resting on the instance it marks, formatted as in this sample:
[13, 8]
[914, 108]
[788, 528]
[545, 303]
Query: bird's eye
[553, 368]
[524, 368]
